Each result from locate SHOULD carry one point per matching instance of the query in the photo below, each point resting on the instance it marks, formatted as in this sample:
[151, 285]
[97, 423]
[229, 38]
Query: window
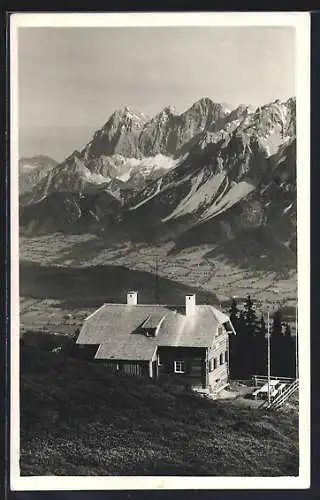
[220, 330]
[150, 332]
[179, 367]
[211, 365]
[215, 363]
[226, 356]
[221, 358]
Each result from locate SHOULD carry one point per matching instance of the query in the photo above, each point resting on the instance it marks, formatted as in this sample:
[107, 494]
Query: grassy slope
[78, 420]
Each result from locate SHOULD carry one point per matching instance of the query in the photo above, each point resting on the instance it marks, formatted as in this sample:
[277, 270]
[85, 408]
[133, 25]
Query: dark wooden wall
[124, 367]
[195, 364]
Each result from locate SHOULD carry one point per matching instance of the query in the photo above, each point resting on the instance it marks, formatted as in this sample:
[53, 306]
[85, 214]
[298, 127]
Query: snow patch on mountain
[96, 178]
[124, 168]
[237, 192]
[201, 193]
[148, 198]
[272, 141]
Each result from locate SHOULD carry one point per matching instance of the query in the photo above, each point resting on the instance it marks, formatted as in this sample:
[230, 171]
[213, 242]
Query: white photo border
[300, 21]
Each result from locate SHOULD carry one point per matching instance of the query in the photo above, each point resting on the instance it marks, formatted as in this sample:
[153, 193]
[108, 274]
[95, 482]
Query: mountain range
[32, 170]
[226, 177]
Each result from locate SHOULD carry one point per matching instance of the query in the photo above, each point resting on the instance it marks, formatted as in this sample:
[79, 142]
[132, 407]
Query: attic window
[151, 325]
[150, 332]
[179, 367]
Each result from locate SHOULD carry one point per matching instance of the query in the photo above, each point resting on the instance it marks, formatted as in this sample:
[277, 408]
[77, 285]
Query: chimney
[190, 304]
[132, 298]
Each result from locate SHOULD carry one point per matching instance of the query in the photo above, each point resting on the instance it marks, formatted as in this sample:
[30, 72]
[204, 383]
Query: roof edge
[94, 312]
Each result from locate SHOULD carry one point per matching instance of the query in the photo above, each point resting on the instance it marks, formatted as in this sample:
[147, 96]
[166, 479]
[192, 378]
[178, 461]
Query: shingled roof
[118, 329]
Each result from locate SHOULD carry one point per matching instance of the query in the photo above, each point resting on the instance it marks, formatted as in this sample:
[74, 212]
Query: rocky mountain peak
[205, 105]
[208, 175]
[127, 114]
[203, 102]
[169, 110]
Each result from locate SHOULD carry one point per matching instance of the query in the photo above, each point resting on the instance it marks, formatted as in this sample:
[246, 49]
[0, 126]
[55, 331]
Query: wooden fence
[263, 379]
[283, 397]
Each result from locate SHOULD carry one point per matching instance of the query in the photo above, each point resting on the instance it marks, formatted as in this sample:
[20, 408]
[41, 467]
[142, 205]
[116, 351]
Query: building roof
[118, 329]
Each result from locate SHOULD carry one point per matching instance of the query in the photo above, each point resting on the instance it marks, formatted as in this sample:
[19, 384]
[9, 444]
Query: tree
[234, 313]
[246, 343]
[288, 352]
[234, 340]
[282, 347]
[250, 316]
[242, 324]
[261, 347]
[287, 330]
[262, 327]
[277, 324]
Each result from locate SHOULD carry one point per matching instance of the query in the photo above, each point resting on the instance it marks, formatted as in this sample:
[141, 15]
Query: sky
[72, 79]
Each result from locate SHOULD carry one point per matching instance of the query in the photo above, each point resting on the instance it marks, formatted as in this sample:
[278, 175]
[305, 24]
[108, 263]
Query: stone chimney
[190, 304]
[132, 298]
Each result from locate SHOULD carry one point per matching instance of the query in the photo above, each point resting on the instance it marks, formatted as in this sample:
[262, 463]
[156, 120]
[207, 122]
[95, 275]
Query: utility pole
[297, 354]
[157, 282]
[269, 359]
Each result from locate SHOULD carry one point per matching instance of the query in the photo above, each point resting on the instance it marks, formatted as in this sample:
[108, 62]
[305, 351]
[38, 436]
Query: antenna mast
[156, 282]
[268, 338]
[297, 357]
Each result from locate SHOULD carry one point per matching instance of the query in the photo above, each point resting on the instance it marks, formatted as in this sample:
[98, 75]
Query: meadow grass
[76, 419]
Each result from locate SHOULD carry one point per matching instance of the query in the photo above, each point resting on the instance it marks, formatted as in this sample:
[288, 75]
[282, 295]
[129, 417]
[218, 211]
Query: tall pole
[157, 283]
[268, 337]
[297, 354]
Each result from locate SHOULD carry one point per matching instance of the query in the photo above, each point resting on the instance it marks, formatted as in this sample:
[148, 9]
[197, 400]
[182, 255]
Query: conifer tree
[242, 323]
[235, 342]
[261, 347]
[250, 316]
[278, 353]
[277, 324]
[262, 327]
[288, 352]
[287, 331]
[234, 313]
[246, 348]
[238, 349]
